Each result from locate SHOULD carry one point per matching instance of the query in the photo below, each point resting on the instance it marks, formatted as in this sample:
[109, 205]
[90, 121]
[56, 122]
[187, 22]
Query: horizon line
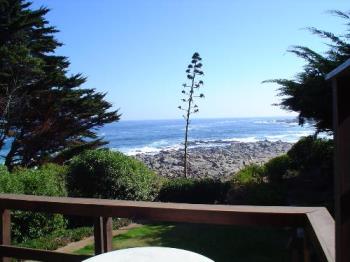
[203, 118]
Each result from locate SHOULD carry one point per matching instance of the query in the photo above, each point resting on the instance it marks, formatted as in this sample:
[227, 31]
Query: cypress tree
[44, 112]
[309, 94]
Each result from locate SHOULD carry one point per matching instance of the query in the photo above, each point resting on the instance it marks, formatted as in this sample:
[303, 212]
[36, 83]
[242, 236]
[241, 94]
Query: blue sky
[138, 51]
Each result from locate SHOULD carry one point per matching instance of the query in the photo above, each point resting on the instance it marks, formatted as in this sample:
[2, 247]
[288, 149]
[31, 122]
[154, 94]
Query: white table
[149, 254]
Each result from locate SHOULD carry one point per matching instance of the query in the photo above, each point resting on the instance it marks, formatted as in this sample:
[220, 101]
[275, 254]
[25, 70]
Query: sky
[137, 50]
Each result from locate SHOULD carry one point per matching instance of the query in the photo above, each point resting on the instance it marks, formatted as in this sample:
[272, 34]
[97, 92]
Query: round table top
[149, 254]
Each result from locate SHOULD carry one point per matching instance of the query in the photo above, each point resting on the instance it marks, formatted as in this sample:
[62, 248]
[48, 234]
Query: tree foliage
[45, 113]
[309, 93]
[193, 71]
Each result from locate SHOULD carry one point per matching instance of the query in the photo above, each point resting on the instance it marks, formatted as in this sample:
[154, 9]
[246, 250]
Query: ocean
[152, 136]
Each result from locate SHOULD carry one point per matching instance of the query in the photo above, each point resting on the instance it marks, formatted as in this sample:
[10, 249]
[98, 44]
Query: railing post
[98, 235]
[301, 249]
[5, 233]
[107, 234]
[103, 234]
[307, 248]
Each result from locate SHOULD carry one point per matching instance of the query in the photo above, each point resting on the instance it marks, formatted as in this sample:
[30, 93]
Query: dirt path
[71, 247]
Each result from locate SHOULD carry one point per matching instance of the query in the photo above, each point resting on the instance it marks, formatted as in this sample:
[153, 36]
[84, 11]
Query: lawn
[220, 243]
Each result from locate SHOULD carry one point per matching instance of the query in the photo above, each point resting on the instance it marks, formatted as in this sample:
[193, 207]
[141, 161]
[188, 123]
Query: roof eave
[339, 70]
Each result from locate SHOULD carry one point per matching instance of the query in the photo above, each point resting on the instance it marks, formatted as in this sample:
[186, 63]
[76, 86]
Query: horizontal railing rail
[315, 220]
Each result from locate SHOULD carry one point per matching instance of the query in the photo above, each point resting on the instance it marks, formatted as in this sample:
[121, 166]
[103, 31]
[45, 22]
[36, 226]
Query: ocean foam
[250, 139]
[164, 145]
[142, 150]
[150, 150]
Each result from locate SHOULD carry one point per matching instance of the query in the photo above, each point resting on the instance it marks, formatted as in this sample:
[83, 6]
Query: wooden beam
[107, 228]
[5, 232]
[98, 235]
[321, 229]
[341, 115]
[39, 255]
[155, 211]
[103, 235]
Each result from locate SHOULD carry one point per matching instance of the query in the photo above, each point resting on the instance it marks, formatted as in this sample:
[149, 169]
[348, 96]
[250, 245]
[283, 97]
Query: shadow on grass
[220, 243]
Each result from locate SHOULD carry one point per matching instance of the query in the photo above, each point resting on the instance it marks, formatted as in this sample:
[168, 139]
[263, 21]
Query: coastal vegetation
[50, 122]
[111, 175]
[193, 71]
[303, 176]
[195, 191]
[47, 180]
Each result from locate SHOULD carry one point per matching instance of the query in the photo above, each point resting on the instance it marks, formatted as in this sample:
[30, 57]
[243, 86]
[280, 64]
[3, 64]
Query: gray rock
[218, 162]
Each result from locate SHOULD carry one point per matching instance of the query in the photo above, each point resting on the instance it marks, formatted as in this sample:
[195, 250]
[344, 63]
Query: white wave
[241, 139]
[302, 133]
[166, 145]
[196, 126]
[142, 150]
[225, 122]
[291, 136]
[160, 143]
[151, 150]
[282, 122]
[325, 135]
[274, 138]
[262, 122]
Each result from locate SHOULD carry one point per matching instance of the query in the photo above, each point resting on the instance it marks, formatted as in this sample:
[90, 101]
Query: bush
[184, 190]
[277, 167]
[310, 152]
[61, 238]
[249, 174]
[256, 194]
[58, 238]
[46, 181]
[3, 170]
[111, 175]
[248, 187]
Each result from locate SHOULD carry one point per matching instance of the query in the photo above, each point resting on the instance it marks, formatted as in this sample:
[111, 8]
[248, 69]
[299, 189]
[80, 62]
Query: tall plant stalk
[193, 72]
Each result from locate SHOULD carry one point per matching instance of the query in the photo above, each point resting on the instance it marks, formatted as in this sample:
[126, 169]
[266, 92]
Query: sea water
[152, 136]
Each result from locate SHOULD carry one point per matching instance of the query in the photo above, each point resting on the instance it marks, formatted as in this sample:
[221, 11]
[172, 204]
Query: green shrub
[58, 238]
[61, 238]
[249, 174]
[3, 169]
[248, 187]
[44, 181]
[9, 183]
[310, 152]
[111, 175]
[47, 180]
[256, 194]
[277, 167]
[184, 190]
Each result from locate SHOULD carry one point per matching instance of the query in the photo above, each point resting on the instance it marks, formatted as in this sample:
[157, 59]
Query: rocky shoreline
[219, 162]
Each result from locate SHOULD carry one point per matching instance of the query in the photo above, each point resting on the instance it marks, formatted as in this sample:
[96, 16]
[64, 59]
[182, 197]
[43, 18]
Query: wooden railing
[316, 221]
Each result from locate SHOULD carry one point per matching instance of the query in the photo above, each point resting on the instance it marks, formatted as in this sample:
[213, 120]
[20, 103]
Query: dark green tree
[45, 113]
[193, 72]
[309, 94]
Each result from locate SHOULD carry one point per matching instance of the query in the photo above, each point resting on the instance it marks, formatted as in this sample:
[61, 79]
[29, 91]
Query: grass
[220, 243]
